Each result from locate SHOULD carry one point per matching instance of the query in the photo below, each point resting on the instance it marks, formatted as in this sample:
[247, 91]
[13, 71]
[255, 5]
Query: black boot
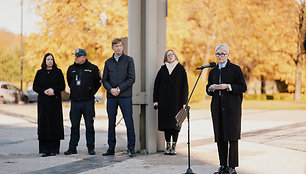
[230, 170]
[167, 150]
[221, 170]
[173, 149]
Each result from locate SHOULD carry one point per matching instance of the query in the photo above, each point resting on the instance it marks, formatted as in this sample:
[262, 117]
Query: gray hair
[222, 46]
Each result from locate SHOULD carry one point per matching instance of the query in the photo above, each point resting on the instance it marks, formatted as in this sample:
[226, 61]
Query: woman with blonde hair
[170, 95]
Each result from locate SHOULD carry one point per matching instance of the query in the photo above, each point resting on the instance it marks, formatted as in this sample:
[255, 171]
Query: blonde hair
[222, 46]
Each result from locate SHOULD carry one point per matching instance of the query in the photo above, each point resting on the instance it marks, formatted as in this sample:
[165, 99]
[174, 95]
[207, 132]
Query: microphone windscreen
[213, 64]
[155, 107]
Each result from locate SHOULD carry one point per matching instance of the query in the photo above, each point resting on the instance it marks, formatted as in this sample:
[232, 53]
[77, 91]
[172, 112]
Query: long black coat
[49, 108]
[229, 103]
[171, 93]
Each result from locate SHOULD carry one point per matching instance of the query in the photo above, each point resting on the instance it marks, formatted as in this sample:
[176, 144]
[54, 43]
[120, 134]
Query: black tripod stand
[187, 109]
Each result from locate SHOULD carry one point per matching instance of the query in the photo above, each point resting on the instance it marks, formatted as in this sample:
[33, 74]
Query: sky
[10, 16]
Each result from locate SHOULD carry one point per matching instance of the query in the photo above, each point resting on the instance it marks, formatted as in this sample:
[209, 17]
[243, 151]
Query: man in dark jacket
[84, 81]
[118, 79]
[226, 84]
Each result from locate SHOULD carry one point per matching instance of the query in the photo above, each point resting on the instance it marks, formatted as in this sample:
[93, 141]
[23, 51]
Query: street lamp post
[21, 46]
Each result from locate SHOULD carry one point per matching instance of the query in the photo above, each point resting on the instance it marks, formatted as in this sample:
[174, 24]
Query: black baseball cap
[80, 52]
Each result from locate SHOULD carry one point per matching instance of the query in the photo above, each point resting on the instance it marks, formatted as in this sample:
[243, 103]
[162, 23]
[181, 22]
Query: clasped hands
[115, 92]
[49, 92]
[214, 87]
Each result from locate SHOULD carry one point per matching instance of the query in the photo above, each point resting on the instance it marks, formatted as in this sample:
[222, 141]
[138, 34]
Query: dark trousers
[231, 154]
[49, 146]
[171, 133]
[227, 150]
[87, 109]
[127, 111]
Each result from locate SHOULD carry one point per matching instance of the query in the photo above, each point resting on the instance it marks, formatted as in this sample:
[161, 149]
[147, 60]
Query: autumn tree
[264, 36]
[259, 34]
[10, 58]
[299, 23]
[70, 24]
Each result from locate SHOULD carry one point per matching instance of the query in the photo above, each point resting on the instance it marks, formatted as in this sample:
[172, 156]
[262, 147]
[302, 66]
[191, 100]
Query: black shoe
[91, 152]
[167, 151]
[132, 153]
[172, 151]
[70, 151]
[44, 155]
[221, 170]
[52, 154]
[230, 170]
[109, 152]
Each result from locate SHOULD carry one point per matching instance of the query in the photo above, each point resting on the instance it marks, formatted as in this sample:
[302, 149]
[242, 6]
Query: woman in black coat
[170, 95]
[226, 84]
[49, 83]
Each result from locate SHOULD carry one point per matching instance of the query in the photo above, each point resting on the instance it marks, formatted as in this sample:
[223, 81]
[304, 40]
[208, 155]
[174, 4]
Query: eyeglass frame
[220, 54]
[171, 54]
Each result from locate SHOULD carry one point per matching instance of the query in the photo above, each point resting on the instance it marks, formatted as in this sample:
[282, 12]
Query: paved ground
[273, 142]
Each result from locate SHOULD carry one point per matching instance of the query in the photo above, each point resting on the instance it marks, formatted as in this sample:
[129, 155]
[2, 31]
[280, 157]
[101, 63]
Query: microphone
[155, 107]
[212, 64]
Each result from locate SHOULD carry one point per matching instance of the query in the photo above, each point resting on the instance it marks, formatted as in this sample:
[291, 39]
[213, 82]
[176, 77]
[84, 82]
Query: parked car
[33, 95]
[11, 94]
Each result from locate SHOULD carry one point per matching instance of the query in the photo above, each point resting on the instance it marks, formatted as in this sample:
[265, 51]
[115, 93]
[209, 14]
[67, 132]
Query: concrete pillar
[134, 49]
[155, 49]
[147, 45]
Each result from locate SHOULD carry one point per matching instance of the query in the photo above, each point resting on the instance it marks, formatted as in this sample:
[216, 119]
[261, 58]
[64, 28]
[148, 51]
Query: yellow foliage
[200, 90]
[262, 35]
[71, 24]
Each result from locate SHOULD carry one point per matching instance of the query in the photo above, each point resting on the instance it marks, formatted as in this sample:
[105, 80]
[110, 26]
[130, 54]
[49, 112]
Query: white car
[32, 95]
[11, 94]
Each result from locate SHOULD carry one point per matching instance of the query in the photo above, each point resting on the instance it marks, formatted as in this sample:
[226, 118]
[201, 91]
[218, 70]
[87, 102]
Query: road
[273, 142]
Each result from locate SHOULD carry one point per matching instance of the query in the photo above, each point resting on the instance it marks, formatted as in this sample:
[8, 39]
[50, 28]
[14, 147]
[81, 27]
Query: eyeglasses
[171, 54]
[221, 54]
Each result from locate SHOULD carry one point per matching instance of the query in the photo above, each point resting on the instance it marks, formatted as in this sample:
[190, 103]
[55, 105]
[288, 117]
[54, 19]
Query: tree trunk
[298, 70]
[298, 79]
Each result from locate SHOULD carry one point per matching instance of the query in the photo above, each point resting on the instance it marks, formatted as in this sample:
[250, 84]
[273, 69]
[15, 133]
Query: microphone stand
[187, 108]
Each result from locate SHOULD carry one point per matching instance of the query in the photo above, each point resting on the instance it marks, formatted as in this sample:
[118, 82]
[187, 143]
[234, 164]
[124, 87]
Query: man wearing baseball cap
[84, 81]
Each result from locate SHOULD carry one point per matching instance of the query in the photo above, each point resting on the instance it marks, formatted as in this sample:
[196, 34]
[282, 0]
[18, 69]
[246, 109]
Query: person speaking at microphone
[170, 96]
[210, 65]
[226, 84]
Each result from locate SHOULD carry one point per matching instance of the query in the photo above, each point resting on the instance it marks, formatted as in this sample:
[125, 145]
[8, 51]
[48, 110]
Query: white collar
[117, 58]
[171, 66]
[222, 65]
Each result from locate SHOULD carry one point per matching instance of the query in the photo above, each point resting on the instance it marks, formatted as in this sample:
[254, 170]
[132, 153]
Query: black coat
[90, 81]
[49, 108]
[171, 93]
[119, 74]
[229, 103]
